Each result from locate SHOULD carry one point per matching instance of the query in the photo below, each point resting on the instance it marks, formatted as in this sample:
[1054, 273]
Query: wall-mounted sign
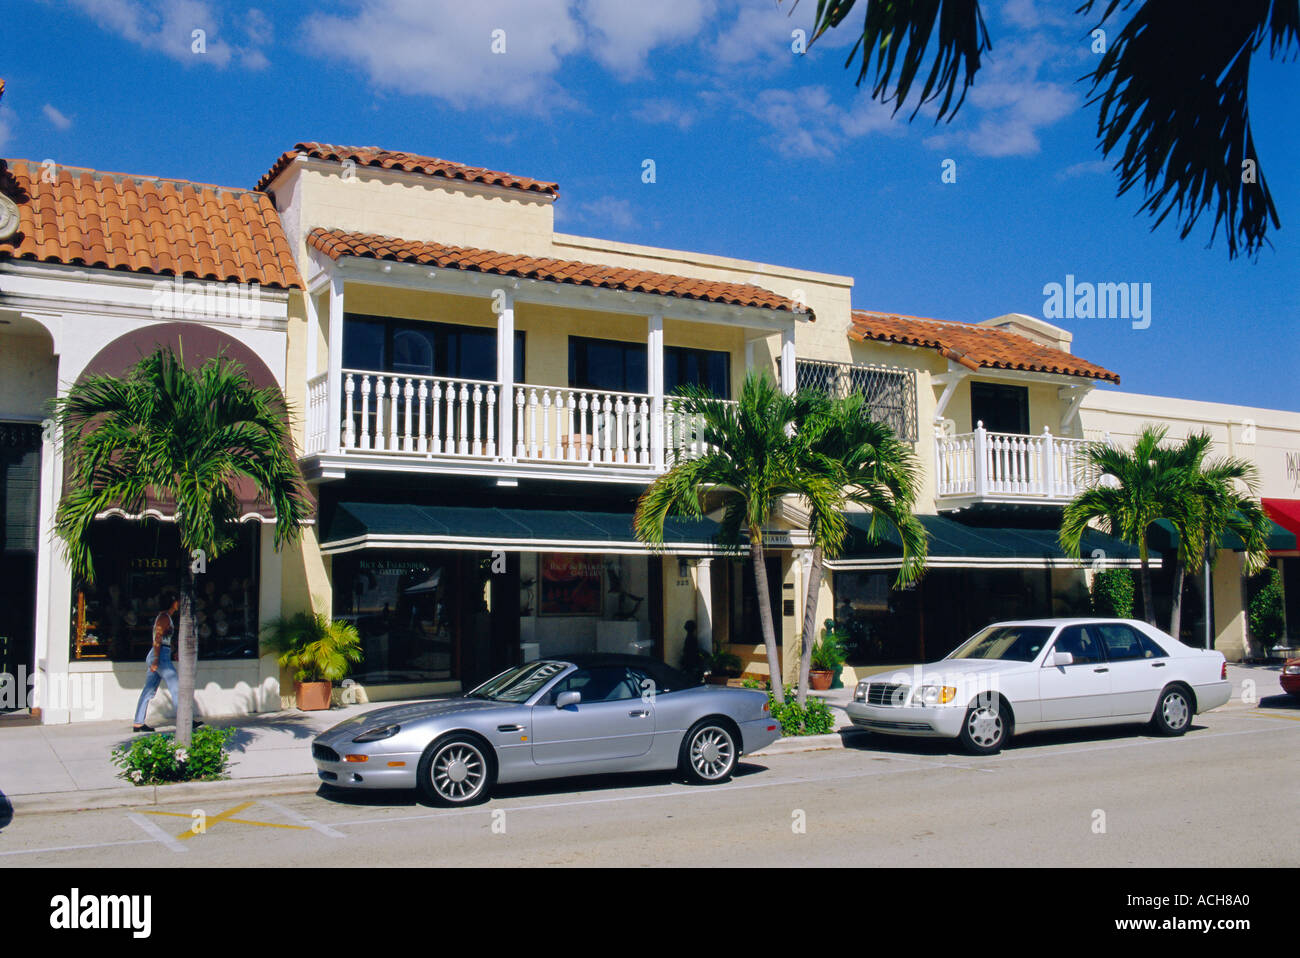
[571, 584]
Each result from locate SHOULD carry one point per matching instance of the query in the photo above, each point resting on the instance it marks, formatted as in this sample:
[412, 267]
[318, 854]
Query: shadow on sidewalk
[6, 810]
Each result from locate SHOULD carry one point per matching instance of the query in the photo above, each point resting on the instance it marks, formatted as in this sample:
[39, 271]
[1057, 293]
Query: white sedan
[1015, 677]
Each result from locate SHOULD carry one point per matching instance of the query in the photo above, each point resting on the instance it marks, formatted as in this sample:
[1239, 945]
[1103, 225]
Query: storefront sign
[571, 584]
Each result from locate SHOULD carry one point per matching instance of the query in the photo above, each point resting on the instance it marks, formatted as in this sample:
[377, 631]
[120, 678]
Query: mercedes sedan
[575, 715]
[1015, 677]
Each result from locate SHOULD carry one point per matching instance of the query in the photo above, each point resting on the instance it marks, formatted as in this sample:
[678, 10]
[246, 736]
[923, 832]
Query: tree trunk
[1176, 613]
[1148, 604]
[809, 622]
[187, 656]
[765, 615]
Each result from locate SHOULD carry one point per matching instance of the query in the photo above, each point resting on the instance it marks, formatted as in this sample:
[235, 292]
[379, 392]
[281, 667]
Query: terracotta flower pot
[314, 696]
[820, 680]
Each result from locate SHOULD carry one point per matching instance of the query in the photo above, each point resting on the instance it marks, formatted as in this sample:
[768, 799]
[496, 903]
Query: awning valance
[368, 525]
[956, 545]
[1165, 538]
[1286, 513]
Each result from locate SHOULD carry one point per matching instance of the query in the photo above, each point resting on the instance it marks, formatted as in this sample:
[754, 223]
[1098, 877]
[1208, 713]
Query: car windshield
[1011, 643]
[518, 684]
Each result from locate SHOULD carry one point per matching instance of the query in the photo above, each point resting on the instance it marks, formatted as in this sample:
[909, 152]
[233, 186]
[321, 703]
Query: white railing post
[334, 359]
[349, 427]
[655, 369]
[506, 372]
[981, 461]
[1049, 463]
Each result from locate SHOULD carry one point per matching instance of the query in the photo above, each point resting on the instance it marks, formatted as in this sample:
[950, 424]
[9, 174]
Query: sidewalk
[64, 767]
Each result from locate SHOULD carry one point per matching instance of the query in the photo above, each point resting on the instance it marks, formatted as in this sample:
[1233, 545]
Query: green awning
[956, 545]
[370, 525]
[1163, 537]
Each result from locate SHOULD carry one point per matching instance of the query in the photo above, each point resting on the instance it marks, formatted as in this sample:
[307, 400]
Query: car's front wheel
[986, 726]
[455, 771]
[709, 753]
[1173, 712]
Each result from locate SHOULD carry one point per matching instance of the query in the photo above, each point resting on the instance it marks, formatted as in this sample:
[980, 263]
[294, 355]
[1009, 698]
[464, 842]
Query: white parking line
[73, 848]
[294, 816]
[149, 828]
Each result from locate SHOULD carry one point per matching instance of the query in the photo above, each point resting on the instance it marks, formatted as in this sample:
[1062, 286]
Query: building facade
[479, 402]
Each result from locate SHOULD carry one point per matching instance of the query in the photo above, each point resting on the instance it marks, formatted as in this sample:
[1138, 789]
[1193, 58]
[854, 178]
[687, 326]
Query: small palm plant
[314, 648]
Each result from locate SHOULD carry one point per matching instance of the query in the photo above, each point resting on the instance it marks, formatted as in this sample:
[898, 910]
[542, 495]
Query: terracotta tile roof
[976, 347]
[336, 243]
[146, 224]
[407, 163]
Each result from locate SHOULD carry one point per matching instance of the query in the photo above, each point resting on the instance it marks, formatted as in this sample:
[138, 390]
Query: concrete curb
[135, 796]
[810, 743]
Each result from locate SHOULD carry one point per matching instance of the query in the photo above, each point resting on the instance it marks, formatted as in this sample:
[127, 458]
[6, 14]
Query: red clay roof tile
[337, 243]
[975, 347]
[407, 163]
[143, 224]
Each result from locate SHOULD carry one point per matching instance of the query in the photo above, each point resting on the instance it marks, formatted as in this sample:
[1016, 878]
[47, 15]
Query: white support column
[506, 378]
[313, 334]
[334, 361]
[704, 604]
[655, 373]
[787, 360]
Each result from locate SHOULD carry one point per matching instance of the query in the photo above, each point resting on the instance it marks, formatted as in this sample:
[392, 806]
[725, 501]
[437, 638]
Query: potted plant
[828, 656]
[723, 666]
[318, 652]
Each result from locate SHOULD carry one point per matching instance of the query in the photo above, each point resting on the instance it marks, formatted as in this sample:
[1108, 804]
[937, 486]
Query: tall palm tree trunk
[765, 614]
[1148, 603]
[1176, 613]
[814, 585]
[187, 656]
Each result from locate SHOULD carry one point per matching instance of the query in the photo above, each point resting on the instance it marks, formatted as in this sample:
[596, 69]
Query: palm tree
[1171, 87]
[748, 466]
[1213, 507]
[314, 647]
[167, 432]
[873, 469]
[1136, 488]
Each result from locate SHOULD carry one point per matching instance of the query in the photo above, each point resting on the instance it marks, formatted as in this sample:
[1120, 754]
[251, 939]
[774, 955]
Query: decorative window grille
[890, 391]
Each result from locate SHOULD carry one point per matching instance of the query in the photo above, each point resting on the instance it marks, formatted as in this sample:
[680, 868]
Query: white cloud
[807, 122]
[659, 112]
[56, 117]
[763, 33]
[8, 120]
[445, 50]
[607, 212]
[1087, 168]
[622, 34]
[166, 26]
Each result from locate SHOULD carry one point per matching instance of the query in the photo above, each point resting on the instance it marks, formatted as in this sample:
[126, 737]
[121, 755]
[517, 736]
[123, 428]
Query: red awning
[1285, 512]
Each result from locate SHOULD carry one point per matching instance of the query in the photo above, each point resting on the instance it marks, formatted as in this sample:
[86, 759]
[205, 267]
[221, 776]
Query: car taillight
[767, 707]
[1223, 672]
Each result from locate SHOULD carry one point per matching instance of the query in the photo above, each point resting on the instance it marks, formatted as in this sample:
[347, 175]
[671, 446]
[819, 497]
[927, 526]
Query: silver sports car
[575, 715]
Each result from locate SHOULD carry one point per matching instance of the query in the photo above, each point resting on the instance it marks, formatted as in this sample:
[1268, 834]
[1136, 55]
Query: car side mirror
[1062, 658]
[565, 699]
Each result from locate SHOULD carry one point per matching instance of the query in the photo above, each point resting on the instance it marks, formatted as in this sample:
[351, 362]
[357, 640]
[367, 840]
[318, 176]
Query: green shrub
[1267, 620]
[813, 718]
[156, 760]
[1112, 593]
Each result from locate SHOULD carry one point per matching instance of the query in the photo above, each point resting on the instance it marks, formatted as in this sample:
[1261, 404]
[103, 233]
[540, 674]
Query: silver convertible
[576, 715]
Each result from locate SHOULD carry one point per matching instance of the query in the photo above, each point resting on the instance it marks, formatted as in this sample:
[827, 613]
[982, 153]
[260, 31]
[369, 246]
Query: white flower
[182, 756]
[136, 775]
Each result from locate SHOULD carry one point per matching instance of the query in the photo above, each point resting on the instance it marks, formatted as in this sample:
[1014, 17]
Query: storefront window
[404, 606]
[135, 563]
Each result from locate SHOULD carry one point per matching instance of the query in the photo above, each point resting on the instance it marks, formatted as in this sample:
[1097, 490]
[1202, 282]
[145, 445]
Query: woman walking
[159, 661]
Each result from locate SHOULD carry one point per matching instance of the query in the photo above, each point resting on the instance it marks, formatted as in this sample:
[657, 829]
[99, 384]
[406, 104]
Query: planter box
[314, 696]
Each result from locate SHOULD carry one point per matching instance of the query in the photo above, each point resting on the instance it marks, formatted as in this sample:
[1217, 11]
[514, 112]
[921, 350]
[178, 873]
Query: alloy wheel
[712, 753]
[458, 772]
[984, 726]
[1175, 710]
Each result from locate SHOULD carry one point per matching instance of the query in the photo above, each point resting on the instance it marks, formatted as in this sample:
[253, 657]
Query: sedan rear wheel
[1173, 711]
[984, 730]
[709, 753]
[455, 771]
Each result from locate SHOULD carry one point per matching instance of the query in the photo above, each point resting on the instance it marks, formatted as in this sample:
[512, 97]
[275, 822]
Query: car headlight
[860, 693]
[1292, 669]
[934, 695]
[378, 734]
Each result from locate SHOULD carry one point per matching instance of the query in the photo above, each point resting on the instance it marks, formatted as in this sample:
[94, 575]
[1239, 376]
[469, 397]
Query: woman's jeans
[166, 670]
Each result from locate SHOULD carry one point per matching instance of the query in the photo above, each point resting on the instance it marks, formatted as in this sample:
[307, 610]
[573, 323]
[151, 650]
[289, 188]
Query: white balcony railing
[439, 416]
[983, 464]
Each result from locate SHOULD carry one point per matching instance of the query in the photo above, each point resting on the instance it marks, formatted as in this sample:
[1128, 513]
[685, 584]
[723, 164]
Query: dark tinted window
[707, 368]
[605, 684]
[412, 347]
[1001, 408]
[1080, 642]
[608, 365]
[1124, 643]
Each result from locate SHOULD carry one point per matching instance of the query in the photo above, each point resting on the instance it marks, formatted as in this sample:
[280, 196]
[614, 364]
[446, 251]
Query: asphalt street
[1112, 797]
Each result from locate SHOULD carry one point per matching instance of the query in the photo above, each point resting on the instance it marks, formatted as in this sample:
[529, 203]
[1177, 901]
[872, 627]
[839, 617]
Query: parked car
[1015, 677]
[573, 715]
[1291, 676]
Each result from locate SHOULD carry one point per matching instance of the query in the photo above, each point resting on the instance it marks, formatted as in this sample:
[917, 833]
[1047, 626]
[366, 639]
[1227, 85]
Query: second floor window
[1000, 407]
[417, 348]
[614, 366]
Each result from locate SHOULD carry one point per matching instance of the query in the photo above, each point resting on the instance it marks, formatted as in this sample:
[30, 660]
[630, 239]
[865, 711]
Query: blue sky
[759, 153]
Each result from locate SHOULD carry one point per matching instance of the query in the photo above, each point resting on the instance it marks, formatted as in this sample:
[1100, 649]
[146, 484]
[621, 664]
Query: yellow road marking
[226, 816]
